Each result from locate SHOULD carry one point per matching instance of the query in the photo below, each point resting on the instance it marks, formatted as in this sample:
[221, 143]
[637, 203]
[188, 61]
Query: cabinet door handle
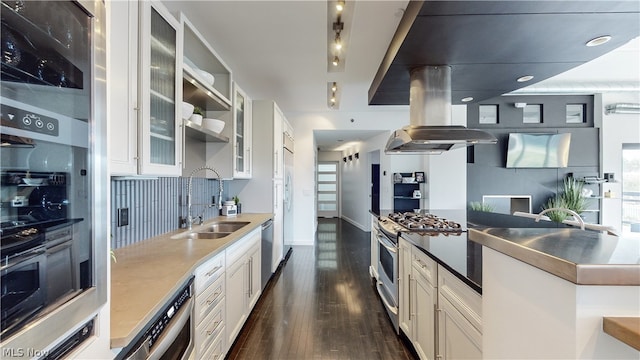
[275, 162]
[247, 170]
[214, 270]
[409, 276]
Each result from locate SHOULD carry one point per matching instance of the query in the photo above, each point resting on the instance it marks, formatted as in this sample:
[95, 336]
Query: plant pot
[196, 119]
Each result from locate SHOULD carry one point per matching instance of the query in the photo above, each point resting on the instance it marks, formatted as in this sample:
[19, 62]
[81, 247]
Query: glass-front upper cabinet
[242, 134]
[161, 136]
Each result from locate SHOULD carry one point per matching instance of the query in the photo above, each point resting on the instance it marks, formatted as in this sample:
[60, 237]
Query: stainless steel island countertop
[581, 257]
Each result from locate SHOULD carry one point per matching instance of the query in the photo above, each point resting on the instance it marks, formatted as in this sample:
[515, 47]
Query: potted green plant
[236, 199]
[478, 206]
[197, 115]
[570, 197]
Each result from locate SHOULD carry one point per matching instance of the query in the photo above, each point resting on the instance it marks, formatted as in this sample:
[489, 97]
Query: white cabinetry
[209, 312]
[203, 146]
[144, 95]
[242, 281]
[267, 171]
[418, 298]
[459, 318]
[242, 126]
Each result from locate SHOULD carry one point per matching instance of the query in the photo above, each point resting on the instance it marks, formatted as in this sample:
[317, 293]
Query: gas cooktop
[421, 222]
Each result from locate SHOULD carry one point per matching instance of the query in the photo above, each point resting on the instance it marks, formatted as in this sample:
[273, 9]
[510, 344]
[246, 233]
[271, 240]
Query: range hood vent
[430, 130]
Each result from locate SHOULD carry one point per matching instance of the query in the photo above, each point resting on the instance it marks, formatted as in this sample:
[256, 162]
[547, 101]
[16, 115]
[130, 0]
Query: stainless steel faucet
[190, 217]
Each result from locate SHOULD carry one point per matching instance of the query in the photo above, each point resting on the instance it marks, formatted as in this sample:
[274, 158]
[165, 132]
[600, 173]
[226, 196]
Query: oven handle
[383, 241]
[393, 309]
[23, 257]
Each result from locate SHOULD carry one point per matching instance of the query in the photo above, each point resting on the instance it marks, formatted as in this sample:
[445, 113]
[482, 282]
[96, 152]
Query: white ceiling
[278, 50]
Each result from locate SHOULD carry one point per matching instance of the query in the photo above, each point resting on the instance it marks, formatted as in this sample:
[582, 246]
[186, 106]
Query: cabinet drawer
[425, 266]
[462, 297]
[209, 329]
[216, 350]
[243, 245]
[209, 298]
[208, 272]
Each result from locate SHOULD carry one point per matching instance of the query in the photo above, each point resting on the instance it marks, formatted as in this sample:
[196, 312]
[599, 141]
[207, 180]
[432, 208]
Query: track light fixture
[332, 97]
[339, 6]
[338, 42]
[336, 60]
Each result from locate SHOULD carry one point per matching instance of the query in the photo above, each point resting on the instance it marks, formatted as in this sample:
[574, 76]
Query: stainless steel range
[387, 231]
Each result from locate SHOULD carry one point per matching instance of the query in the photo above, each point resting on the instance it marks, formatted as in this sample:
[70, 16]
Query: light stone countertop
[147, 274]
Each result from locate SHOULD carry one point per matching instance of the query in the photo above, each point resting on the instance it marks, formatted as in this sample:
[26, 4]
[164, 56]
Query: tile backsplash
[156, 206]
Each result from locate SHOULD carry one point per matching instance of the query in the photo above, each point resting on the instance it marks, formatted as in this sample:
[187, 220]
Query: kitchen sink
[208, 235]
[226, 226]
[213, 231]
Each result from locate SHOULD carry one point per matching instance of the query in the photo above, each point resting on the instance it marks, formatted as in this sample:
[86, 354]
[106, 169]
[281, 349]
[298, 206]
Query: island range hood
[430, 130]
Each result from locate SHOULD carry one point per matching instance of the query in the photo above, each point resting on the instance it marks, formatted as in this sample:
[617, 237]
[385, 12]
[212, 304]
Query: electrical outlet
[123, 217]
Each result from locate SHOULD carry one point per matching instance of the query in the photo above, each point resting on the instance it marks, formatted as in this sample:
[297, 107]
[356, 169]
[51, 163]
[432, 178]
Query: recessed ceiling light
[467, 99]
[525, 78]
[598, 41]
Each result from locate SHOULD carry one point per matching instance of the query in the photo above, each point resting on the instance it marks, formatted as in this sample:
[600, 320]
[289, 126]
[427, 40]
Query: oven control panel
[21, 119]
[172, 308]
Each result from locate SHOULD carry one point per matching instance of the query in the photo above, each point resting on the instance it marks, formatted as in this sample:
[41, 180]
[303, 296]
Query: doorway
[375, 188]
[328, 189]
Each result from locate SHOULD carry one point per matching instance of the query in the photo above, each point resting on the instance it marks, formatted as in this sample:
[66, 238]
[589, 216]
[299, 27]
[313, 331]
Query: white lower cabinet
[418, 299]
[459, 319]
[226, 287]
[440, 315]
[242, 281]
[209, 310]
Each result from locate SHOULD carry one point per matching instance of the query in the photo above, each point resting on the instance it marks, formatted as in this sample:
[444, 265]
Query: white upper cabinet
[146, 134]
[207, 84]
[160, 146]
[242, 124]
[123, 87]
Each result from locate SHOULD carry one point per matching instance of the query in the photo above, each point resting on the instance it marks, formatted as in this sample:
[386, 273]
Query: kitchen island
[147, 274]
[545, 292]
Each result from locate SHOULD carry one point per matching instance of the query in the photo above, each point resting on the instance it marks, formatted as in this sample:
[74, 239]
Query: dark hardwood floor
[322, 305]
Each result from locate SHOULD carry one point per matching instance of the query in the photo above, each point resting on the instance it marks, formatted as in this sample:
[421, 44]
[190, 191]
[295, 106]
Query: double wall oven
[387, 230]
[52, 171]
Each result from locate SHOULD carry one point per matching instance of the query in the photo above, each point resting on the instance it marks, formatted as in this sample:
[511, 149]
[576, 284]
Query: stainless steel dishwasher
[267, 250]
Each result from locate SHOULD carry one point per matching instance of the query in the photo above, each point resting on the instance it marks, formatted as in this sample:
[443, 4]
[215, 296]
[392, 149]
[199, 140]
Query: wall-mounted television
[538, 150]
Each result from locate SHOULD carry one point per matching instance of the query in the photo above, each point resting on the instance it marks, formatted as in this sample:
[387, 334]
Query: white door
[328, 189]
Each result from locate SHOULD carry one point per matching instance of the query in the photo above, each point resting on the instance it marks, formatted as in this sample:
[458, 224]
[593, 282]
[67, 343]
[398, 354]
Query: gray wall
[486, 171]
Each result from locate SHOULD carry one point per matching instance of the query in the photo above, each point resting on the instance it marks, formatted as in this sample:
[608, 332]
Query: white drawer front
[208, 272]
[209, 298]
[210, 328]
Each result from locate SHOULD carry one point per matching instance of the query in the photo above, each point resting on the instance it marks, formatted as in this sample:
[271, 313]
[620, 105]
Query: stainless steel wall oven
[53, 175]
[387, 283]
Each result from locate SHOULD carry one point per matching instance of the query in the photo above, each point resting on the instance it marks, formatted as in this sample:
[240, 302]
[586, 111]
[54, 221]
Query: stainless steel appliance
[53, 127]
[23, 271]
[169, 335]
[387, 232]
[267, 252]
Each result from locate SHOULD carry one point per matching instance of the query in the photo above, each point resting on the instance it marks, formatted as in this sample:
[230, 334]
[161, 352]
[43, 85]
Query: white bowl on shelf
[214, 125]
[33, 181]
[207, 76]
[187, 110]
[196, 119]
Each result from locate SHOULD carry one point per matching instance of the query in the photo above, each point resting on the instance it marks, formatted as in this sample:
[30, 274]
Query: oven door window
[386, 261]
[22, 291]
